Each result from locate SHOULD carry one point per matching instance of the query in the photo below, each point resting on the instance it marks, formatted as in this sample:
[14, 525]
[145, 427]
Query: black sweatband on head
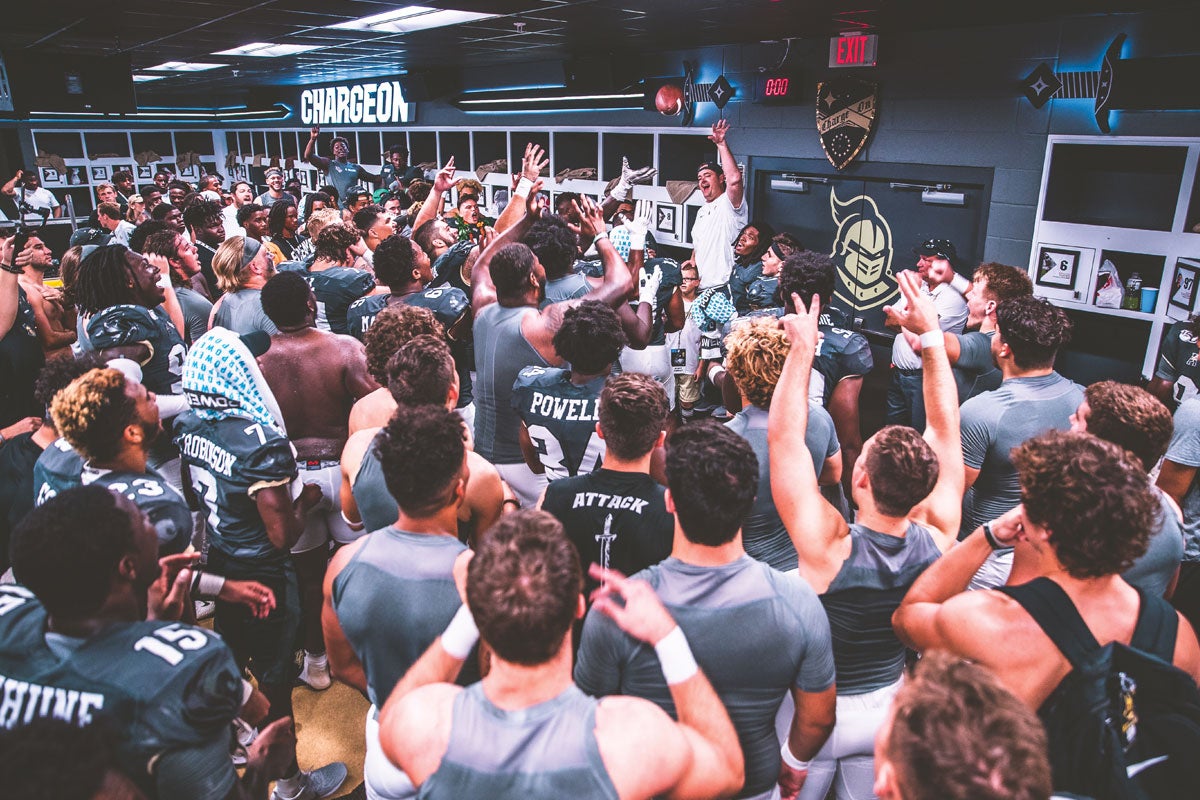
[777, 250]
[250, 248]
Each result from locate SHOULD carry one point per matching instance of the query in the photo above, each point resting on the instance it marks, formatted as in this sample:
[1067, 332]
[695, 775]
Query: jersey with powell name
[561, 418]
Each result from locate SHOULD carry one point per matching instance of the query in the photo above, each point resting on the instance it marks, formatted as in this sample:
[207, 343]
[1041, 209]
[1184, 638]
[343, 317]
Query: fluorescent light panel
[410, 19]
[268, 50]
[185, 66]
[147, 78]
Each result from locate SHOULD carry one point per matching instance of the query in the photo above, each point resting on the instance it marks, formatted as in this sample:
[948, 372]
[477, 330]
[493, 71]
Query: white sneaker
[315, 672]
[246, 734]
[205, 609]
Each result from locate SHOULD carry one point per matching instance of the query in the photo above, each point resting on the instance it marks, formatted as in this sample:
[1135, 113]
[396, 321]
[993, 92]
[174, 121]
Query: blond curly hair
[756, 352]
[93, 412]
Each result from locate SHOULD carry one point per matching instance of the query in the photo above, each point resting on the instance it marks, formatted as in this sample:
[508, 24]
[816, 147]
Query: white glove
[649, 286]
[640, 223]
[629, 178]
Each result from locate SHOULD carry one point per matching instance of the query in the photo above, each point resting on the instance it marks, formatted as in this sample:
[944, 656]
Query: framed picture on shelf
[52, 177]
[145, 174]
[1063, 272]
[665, 219]
[189, 173]
[99, 174]
[1183, 289]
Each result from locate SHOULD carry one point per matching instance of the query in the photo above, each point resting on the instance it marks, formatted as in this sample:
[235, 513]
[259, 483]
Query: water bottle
[1133, 293]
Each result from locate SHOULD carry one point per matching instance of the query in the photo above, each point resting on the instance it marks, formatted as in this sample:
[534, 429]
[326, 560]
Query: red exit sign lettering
[855, 50]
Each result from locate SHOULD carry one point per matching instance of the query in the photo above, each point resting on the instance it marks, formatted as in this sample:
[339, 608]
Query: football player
[336, 283]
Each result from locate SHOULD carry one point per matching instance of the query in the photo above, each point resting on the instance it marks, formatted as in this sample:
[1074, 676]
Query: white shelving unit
[1089, 244]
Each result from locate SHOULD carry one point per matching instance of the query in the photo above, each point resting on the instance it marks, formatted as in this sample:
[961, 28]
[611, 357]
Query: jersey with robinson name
[160, 501]
[227, 461]
[561, 418]
[165, 687]
[448, 305]
[57, 469]
[336, 288]
[755, 632]
[1179, 361]
[124, 325]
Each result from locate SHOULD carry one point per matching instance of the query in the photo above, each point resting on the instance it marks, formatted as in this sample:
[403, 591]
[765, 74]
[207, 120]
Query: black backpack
[1125, 723]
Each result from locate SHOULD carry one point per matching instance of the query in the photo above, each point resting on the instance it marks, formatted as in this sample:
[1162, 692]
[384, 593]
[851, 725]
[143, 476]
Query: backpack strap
[1053, 611]
[1157, 627]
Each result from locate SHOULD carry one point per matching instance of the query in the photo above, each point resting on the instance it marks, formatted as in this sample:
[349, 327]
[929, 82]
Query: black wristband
[13, 268]
[992, 541]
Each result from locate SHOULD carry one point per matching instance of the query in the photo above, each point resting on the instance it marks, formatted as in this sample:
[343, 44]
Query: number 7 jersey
[561, 418]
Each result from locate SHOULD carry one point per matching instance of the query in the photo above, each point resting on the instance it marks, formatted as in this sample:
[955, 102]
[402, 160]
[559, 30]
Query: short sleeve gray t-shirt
[196, 311]
[1184, 450]
[242, 312]
[975, 372]
[994, 423]
[755, 632]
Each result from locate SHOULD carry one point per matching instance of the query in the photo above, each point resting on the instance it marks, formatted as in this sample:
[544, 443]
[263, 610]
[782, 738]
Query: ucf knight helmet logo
[862, 251]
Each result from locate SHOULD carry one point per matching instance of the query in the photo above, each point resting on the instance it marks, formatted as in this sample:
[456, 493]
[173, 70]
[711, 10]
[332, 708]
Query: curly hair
[902, 468]
[164, 243]
[57, 374]
[105, 279]
[277, 215]
[421, 372]
[806, 273]
[392, 327]
[419, 190]
[787, 243]
[633, 414]
[523, 587]
[958, 734]
[469, 186]
[1131, 417]
[93, 412]
[394, 260]
[246, 212]
[1033, 329]
[1093, 497]
[319, 220]
[66, 551]
[554, 244]
[314, 197]
[201, 212]
[756, 352]
[365, 217]
[591, 337]
[422, 452]
[713, 477]
[137, 239]
[1004, 282]
[334, 240]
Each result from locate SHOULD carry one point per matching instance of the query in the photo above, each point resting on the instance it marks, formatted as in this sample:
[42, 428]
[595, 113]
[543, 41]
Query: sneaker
[315, 672]
[205, 609]
[318, 784]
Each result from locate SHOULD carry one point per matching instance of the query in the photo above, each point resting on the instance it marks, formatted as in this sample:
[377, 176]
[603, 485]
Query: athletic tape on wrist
[932, 339]
[960, 283]
[601, 235]
[461, 634]
[675, 657]
[523, 187]
[714, 371]
[208, 585]
[791, 760]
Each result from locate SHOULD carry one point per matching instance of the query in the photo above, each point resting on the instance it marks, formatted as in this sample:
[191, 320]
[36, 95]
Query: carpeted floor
[329, 727]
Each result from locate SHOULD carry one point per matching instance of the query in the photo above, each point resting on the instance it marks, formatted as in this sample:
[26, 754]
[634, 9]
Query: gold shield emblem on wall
[845, 117]
[862, 251]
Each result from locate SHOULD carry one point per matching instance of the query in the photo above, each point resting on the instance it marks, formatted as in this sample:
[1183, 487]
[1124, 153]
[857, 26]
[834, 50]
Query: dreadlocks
[105, 280]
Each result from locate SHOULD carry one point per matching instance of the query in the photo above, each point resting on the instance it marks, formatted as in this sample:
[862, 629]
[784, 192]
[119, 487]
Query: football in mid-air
[669, 100]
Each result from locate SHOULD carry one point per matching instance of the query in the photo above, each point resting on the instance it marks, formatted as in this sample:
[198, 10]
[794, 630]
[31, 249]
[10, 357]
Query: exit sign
[853, 50]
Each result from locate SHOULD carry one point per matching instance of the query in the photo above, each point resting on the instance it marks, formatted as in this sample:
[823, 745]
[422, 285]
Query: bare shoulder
[986, 625]
[415, 731]
[629, 727]
[356, 446]
[481, 466]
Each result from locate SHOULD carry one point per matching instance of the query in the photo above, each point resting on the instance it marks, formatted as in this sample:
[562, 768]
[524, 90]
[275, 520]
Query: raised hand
[535, 203]
[534, 161]
[919, 315]
[940, 271]
[719, 130]
[444, 180]
[649, 286]
[591, 218]
[315, 132]
[801, 326]
[169, 591]
[641, 220]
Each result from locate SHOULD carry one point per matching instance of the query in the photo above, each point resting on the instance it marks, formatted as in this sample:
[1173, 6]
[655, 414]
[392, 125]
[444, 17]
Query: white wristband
[523, 187]
[932, 339]
[461, 634]
[714, 370]
[960, 283]
[208, 585]
[791, 760]
[637, 241]
[599, 236]
[675, 657]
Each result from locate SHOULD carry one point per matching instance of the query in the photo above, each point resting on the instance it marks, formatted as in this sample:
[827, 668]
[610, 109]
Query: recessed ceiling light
[185, 66]
[147, 78]
[268, 50]
[409, 19]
